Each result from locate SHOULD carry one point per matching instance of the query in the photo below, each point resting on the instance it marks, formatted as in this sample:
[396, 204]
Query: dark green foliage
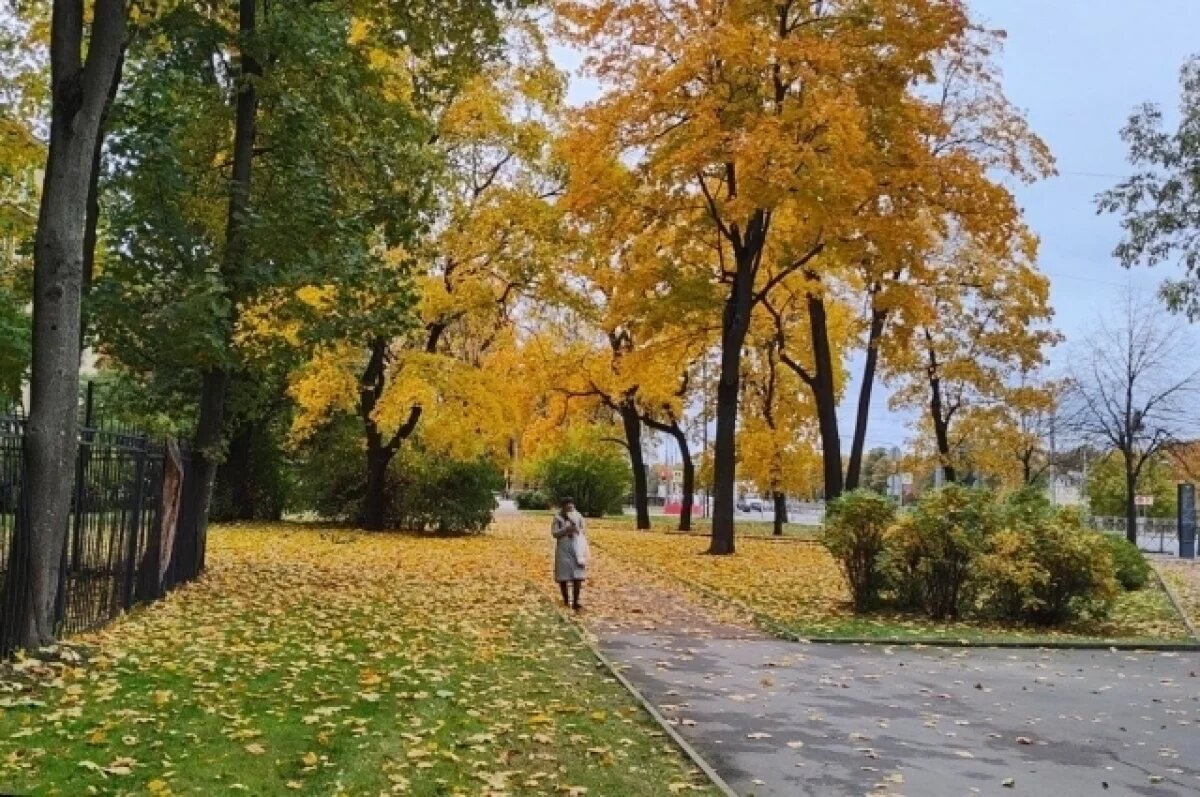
[14, 345]
[596, 475]
[424, 492]
[255, 482]
[1130, 565]
[856, 525]
[933, 551]
[1157, 205]
[533, 499]
[442, 496]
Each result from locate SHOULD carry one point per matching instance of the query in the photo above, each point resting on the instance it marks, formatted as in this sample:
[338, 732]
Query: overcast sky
[1078, 68]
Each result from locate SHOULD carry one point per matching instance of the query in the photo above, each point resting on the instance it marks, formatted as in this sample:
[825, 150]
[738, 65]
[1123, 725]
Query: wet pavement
[780, 718]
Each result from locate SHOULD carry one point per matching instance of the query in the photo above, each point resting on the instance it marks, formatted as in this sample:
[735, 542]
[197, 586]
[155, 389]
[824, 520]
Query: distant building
[1067, 489]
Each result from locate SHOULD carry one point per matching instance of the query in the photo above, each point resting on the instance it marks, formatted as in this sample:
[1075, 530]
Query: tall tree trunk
[380, 453]
[781, 513]
[941, 430]
[80, 92]
[207, 453]
[91, 225]
[825, 398]
[735, 323]
[689, 479]
[379, 457]
[632, 423]
[871, 364]
[1130, 498]
[207, 447]
[236, 476]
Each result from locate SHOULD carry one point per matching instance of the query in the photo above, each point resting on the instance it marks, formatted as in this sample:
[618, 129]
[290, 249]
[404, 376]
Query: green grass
[355, 667]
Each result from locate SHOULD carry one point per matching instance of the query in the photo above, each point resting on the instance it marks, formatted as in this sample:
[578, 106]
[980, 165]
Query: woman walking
[570, 552]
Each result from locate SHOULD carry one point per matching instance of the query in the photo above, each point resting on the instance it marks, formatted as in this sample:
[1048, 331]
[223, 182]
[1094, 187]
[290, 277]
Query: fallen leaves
[397, 663]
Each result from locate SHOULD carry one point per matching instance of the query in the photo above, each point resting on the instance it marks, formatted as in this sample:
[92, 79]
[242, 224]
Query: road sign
[1143, 500]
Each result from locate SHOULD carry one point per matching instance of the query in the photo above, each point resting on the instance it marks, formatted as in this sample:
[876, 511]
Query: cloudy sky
[1078, 68]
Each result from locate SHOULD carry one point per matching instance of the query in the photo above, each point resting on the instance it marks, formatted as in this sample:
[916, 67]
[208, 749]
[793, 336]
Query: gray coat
[566, 567]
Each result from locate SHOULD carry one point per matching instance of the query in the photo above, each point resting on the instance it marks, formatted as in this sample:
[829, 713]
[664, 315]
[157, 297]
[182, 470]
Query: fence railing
[1154, 534]
[127, 539]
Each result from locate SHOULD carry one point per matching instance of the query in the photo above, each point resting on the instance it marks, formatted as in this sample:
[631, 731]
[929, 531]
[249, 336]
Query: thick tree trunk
[781, 515]
[735, 323]
[236, 476]
[379, 457]
[858, 444]
[825, 398]
[207, 453]
[79, 96]
[632, 424]
[207, 449]
[1130, 500]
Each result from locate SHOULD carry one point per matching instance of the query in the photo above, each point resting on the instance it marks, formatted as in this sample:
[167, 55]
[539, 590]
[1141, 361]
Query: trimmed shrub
[1047, 576]
[438, 495]
[424, 492]
[596, 476]
[532, 499]
[932, 554]
[1129, 564]
[856, 526]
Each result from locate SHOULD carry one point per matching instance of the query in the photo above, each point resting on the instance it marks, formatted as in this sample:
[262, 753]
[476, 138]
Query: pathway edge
[692, 754]
[1171, 596]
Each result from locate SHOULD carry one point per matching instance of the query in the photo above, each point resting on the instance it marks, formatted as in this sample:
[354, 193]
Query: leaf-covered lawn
[796, 588]
[1184, 578]
[330, 662]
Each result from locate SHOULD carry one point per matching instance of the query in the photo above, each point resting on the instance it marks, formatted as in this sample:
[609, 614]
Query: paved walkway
[779, 718]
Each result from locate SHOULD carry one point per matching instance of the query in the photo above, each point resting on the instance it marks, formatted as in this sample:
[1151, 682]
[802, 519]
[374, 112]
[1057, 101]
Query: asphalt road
[778, 718]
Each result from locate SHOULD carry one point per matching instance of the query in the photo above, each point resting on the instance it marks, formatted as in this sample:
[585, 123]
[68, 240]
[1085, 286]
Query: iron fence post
[131, 545]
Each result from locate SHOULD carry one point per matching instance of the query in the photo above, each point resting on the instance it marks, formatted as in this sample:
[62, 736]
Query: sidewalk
[789, 719]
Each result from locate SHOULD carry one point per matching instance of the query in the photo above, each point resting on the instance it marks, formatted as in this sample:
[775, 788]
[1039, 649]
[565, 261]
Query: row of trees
[274, 222]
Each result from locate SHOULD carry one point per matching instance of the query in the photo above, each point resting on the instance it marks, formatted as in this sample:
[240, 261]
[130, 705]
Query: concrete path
[778, 718]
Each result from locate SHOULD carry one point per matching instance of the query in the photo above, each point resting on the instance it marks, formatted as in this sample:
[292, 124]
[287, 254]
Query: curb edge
[690, 752]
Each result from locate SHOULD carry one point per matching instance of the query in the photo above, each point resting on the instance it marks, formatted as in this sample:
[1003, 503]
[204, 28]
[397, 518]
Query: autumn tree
[484, 250]
[777, 436]
[1013, 438]
[943, 145]
[1133, 390]
[637, 345]
[748, 123]
[986, 324]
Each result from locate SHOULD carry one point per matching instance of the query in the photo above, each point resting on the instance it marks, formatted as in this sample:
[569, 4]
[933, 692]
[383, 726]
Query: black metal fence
[128, 540]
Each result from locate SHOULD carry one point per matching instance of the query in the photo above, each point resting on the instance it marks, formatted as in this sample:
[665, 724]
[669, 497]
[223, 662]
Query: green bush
[423, 493]
[1130, 566]
[931, 555]
[438, 495]
[1049, 575]
[533, 499]
[595, 474]
[856, 526]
